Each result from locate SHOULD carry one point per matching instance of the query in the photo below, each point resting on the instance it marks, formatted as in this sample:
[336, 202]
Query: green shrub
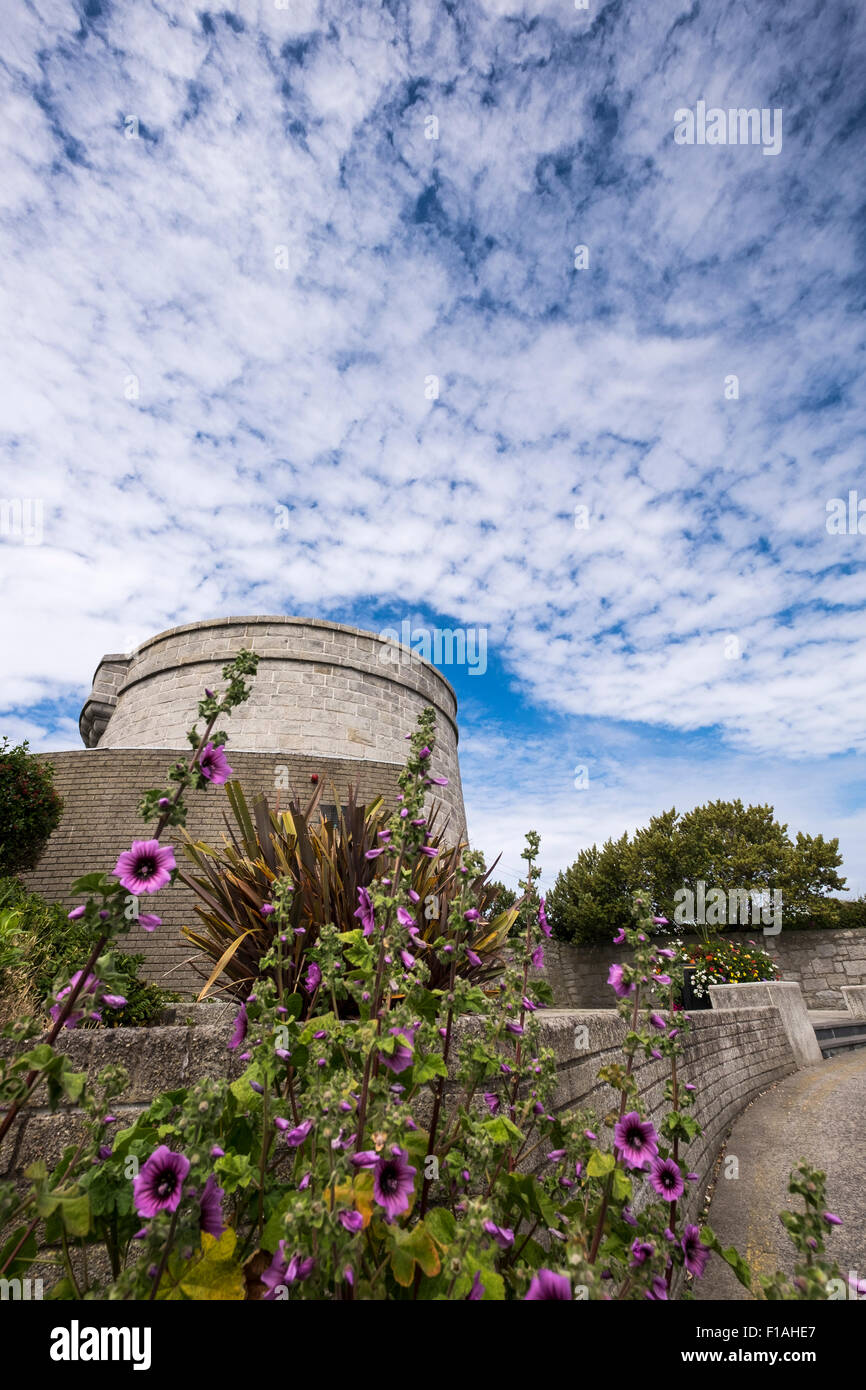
[39, 945]
[30, 808]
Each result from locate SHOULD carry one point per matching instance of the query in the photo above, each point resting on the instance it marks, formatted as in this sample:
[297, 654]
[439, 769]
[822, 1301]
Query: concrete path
[818, 1114]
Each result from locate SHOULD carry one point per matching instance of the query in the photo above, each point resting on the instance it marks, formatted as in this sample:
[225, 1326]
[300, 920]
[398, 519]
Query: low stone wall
[822, 963]
[730, 1055]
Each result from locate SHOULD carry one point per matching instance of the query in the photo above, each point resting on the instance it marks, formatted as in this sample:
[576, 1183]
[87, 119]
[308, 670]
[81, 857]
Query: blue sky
[233, 261]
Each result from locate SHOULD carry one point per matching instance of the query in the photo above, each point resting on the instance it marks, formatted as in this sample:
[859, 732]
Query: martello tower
[327, 700]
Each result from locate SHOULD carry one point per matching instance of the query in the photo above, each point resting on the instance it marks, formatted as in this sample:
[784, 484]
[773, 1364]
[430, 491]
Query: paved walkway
[818, 1114]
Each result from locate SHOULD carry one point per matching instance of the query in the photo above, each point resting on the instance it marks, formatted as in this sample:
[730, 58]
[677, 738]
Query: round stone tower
[330, 704]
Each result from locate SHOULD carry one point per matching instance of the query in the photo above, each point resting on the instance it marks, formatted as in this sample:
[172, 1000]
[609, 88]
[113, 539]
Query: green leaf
[75, 1212]
[25, 1254]
[428, 1067]
[442, 1226]
[216, 1275]
[600, 1164]
[621, 1186]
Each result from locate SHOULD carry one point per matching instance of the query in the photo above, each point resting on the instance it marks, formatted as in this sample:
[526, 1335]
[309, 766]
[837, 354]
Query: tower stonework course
[327, 700]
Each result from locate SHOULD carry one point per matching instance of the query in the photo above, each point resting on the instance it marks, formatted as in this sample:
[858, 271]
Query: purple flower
[145, 867]
[149, 920]
[217, 1152]
[401, 1057]
[619, 938]
[89, 998]
[351, 1220]
[515, 1028]
[696, 1254]
[282, 1272]
[503, 1235]
[658, 1022]
[636, 1139]
[666, 1179]
[491, 1100]
[542, 919]
[405, 918]
[659, 1291]
[476, 1293]
[641, 1251]
[430, 852]
[77, 912]
[211, 1209]
[619, 986]
[374, 853]
[831, 1219]
[313, 978]
[661, 921]
[473, 957]
[159, 1185]
[367, 1158]
[662, 979]
[547, 1285]
[240, 1028]
[295, 1137]
[538, 957]
[213, 765]
[393, 1182]
[364, 911]
[266, 909]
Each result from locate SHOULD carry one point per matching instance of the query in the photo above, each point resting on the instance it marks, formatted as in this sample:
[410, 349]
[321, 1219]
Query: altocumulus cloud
[240, 276]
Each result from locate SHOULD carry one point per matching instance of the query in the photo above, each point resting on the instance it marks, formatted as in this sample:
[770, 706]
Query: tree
[737, 850]
[591, 900]
[30, 808]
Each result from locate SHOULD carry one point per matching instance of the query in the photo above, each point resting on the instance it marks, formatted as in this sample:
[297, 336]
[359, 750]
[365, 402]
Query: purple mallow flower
[295, 1137]
[542, 919]
[213, 765]
[401, 1057]
[641, 1251]
[88, 1001]
[240, 1028]
[364, 911]
[503, 1235]
[547, 1285]
[696, 1254]
[393, 1182]
[618, 984]
[283, 1272]
[211, 1208]
[636, 1139]
[666, 1179]
[313, 978]
[145, 867]
[159, 1185]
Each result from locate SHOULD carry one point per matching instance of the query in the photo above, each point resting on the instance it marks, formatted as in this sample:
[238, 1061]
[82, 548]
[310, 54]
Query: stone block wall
[101, 790]
[731, 1055]
[822, 963]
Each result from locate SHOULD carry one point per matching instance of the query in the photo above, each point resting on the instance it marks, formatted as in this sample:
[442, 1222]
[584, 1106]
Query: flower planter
[692, 1001]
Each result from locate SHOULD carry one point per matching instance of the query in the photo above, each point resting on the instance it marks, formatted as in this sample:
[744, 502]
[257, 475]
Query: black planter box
[691, 1001]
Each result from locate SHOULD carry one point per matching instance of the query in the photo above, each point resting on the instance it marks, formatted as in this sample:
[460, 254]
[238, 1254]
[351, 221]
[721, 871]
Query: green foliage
[722, 844]
[30, 808]
[321, 863]
[38, 939]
